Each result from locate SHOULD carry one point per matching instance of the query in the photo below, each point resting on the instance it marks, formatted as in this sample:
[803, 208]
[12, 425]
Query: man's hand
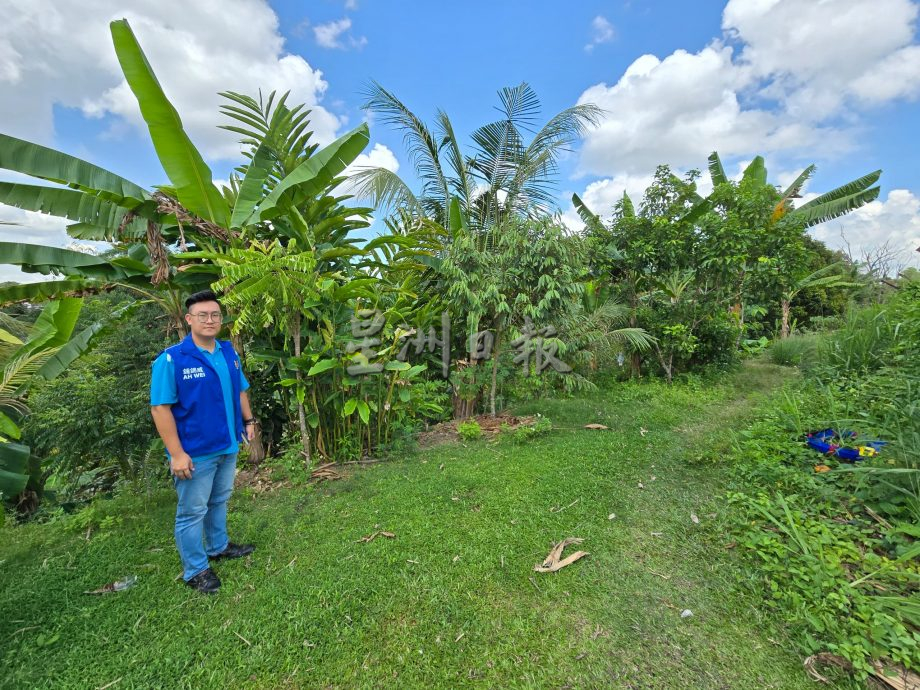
[250, 432]
[181, 466]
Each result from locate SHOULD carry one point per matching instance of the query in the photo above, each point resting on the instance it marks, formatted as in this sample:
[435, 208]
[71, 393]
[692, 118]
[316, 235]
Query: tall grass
[796, 351]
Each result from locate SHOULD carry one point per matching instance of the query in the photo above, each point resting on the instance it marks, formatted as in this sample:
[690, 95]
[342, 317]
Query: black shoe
[205, 582]
[234, 551]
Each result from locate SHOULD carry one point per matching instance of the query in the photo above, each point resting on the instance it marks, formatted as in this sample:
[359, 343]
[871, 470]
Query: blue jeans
[202, 511]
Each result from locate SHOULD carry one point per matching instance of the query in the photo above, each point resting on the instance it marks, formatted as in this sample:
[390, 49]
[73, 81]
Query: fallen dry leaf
[600, 427]
[694, 518]
[552, 562]
[641, 485]
[643, 431]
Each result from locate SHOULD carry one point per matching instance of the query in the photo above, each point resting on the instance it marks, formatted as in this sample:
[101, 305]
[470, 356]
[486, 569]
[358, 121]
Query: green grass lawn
[452, 601]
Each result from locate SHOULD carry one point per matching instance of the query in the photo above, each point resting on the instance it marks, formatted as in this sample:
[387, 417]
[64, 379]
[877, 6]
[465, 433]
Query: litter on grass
[117, 586]
[832, 443]
[554, 560]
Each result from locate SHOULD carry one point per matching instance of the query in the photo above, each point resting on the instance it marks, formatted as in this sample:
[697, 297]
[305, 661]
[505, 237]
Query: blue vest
[199, 412]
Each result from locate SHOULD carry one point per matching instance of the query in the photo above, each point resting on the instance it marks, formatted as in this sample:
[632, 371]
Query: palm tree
[505, 175]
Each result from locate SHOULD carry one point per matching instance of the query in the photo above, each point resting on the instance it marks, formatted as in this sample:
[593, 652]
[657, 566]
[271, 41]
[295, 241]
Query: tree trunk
[787, 308]
[301, 416]
[494, 373]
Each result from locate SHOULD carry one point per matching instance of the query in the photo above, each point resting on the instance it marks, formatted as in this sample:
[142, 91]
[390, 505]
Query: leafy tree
[506, 175]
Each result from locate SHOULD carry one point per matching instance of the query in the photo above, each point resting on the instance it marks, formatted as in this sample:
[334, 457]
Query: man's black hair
[203, 296]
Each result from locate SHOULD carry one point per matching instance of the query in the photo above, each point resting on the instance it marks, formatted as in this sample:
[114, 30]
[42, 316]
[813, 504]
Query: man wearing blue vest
[201, 410]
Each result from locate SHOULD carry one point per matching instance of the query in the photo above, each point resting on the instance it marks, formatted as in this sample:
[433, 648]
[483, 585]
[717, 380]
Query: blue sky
[835, 83]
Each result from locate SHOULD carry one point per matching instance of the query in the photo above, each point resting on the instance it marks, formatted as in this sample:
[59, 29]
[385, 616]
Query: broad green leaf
[182, 162]
[756, 171]
[716, 171]
[792, 191]
[14, 462]
[41, 259]
[589, 218]
[404, 394]
[364, 412]
[55, 166]
[80, 344]
[629, 209]
[396, 365]
[315, 174]
[350, 406]
[458, 222]
[849, 189]
[45, 290]
[53, 326]
[321, 366]
[134, 230]
[8, 337]
[253, 187]
[313, 420]
[813, 214]
[63, 203]
[8, 427]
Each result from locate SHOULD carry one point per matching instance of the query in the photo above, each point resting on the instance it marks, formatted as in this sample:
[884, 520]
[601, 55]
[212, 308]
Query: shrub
[795, 351]
[469, 430]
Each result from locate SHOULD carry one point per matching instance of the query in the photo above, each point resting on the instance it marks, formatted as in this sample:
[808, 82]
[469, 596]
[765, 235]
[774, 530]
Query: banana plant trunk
[786, 306]
[301, 416]
[492, 390]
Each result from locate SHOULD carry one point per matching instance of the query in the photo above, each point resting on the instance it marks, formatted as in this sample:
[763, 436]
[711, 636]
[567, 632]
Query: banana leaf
[182, 162]
[39, 161]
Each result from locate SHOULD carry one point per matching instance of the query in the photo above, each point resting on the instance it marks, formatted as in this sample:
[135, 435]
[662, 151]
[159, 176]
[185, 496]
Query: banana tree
[50, 347]
[830, 276]
[189, 213]
[827, 206]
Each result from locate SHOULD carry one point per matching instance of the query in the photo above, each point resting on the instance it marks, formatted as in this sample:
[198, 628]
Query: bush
[796, 351]
[469, 430]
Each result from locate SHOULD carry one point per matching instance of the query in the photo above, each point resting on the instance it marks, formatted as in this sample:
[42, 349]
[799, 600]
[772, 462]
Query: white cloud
[61, 54]
[895, 220]
[379, 156]
[817, 54]
[788, 77]
[601, 196]
[602, 31]
[335, 35]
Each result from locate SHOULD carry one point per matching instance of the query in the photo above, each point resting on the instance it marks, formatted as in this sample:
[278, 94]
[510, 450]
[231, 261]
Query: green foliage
[796, 351]
[524, 434]
[469, 430]
[836, 553]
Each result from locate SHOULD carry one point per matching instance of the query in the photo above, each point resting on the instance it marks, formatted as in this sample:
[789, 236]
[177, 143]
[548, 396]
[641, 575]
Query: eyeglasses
[204, 317]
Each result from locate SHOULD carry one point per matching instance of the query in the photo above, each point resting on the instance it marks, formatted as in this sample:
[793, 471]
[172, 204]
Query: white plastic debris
[686, 613]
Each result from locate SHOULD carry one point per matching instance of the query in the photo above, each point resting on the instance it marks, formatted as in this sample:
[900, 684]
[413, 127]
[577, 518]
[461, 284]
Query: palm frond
[419, 141]
[383, 189]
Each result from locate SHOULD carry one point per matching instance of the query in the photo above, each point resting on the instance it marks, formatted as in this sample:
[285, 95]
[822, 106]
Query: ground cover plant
[477, 389]
[834, 545]
[452, 599]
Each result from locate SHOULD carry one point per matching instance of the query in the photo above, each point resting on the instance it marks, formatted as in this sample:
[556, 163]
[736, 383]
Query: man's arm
[250, 429]
[180, 462]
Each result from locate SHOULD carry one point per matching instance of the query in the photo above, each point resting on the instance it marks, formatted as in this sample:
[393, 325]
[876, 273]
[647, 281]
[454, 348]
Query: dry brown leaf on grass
[894, 677]
[325, 472]
[552, 562]
[599, 427]
[370, 537]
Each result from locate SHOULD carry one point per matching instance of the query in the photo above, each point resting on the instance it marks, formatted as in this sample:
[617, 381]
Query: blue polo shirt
[163, 388]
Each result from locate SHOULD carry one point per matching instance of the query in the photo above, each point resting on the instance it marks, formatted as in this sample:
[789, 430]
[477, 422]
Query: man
[201, 410]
